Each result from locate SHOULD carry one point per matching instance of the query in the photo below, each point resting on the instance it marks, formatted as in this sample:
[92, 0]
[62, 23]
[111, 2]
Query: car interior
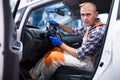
[36, 41]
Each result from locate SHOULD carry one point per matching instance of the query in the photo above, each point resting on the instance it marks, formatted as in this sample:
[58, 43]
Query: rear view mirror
[60, 12]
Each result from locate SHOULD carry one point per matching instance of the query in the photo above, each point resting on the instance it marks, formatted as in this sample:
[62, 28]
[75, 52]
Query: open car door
[10, 48]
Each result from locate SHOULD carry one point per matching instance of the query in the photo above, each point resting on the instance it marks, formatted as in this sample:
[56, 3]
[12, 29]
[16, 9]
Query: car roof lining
[103, 6]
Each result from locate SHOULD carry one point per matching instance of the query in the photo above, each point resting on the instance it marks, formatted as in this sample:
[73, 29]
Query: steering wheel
[52, 31]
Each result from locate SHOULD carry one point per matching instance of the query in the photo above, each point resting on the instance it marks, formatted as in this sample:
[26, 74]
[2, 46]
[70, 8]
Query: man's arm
[66, 28]
[58, 43]
[63, 27]
[69, 50]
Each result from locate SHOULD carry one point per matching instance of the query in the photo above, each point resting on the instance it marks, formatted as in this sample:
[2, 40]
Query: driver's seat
[72, 73]
[75, 73]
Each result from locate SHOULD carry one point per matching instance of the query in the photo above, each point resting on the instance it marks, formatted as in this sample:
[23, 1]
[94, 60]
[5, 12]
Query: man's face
[88, 15]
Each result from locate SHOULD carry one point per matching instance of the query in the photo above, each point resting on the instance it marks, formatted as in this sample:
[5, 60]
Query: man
[63, 54]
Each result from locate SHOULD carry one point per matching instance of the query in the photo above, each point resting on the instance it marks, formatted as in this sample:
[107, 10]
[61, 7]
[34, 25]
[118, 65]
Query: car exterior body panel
[111, 52]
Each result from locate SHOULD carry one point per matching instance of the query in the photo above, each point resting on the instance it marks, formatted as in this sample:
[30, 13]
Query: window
[13, 4]
[118, 15]
[57, 12]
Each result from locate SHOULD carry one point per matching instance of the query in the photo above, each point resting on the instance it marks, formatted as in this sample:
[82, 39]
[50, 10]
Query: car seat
[75, 73]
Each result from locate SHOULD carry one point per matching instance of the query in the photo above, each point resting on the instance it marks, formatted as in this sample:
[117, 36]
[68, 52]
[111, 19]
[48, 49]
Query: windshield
[57, 12]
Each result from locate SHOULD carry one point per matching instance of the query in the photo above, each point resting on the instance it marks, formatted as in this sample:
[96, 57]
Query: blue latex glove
[55, 41]
[52, 22]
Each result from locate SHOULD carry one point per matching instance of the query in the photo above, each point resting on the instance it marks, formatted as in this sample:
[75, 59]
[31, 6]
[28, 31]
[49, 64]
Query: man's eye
[88, 14]
[82, 15]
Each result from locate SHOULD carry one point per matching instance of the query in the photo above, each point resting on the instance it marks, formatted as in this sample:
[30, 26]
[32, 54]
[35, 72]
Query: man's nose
[85, 17]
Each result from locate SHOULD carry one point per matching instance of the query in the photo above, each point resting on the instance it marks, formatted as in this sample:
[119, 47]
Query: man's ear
[96, 14]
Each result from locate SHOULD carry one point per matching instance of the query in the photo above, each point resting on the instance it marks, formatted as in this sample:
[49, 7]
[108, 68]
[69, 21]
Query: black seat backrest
[97, 57]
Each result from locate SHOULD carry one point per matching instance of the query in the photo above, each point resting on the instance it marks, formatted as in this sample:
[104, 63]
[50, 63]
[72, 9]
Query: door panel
[13, 48]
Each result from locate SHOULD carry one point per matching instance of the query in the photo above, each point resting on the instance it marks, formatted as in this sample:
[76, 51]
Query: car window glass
[13, 4]
[118, 15]
[103, 17]
[57, 12]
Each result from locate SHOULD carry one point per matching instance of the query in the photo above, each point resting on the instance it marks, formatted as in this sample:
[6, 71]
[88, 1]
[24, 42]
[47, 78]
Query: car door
[1, 40]
[109, 64]
[10, 48]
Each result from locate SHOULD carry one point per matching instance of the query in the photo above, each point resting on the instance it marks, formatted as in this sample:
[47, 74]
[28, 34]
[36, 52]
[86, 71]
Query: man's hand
[55, 41]
[52, 22]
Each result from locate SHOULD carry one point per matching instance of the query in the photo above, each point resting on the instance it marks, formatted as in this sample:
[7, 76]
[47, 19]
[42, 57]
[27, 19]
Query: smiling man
[82, 57]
